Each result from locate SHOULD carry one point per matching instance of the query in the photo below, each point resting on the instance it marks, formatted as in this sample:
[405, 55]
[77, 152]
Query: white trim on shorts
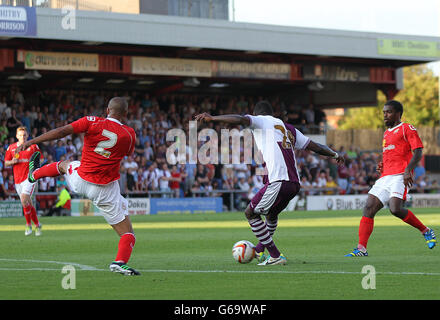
[269, 197]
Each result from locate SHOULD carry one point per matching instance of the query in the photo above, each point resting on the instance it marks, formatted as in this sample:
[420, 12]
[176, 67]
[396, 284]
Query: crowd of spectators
[148, 169]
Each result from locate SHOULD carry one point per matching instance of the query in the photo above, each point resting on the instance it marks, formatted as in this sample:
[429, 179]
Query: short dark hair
[263, 108]
[397, 106]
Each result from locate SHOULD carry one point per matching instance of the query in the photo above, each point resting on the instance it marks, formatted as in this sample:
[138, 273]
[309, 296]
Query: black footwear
[34, 164]
[122, 268]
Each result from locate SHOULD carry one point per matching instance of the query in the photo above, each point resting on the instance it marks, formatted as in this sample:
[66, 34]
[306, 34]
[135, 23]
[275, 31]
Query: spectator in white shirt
[130, 163]
[164, 179]
[322, 179]
[151, 178]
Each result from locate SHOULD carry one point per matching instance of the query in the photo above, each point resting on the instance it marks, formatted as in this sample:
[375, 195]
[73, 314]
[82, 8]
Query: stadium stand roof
[330, 68]
[161, 30]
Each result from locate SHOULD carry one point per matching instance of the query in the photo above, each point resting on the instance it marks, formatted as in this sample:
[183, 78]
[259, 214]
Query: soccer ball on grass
[243, 251]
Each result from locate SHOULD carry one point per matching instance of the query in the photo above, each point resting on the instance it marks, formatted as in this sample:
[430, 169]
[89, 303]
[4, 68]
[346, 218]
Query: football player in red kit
[20, 166]
[402, 150]
[106, 142]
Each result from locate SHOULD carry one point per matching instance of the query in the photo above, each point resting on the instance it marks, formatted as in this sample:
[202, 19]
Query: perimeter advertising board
[136, 206]
[10, 208]
[336, 202]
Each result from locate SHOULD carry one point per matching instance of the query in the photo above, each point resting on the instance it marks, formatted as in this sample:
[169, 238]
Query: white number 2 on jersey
[106, 144]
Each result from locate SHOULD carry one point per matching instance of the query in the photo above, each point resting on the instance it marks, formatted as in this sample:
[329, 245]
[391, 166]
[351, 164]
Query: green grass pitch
[189, 257]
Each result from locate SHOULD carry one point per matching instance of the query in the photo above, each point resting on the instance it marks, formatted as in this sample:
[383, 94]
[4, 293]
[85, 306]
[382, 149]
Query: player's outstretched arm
[324, 150]
[408, 174]
[53, 134]
[379, 167]
[228, 118]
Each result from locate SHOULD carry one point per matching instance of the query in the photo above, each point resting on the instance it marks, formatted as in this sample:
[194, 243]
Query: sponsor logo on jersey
[390, 147]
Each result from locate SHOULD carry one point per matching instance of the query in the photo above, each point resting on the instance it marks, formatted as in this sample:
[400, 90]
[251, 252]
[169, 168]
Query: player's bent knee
[372, 206]
[396, 208]
[272, 220]
[397, 211]
[249, 213]
[26, 203]
[123, 227]
[25, 200]
[369, 212]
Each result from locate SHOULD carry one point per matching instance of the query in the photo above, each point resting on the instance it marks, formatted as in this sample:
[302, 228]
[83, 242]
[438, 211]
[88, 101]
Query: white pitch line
[90, 268]
[236, 271]
[30, 269]
[80, 266]
[288, 272]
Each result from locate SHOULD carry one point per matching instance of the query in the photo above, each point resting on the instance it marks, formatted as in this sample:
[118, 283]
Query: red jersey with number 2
[106, 142]
[398, 144]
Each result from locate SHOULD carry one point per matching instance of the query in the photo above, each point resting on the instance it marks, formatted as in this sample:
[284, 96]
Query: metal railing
[138, 194]
[232, 194]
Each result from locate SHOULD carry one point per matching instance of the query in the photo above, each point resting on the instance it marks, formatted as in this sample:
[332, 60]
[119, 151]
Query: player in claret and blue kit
[402, 150]
[106, 142]
[276, 140]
